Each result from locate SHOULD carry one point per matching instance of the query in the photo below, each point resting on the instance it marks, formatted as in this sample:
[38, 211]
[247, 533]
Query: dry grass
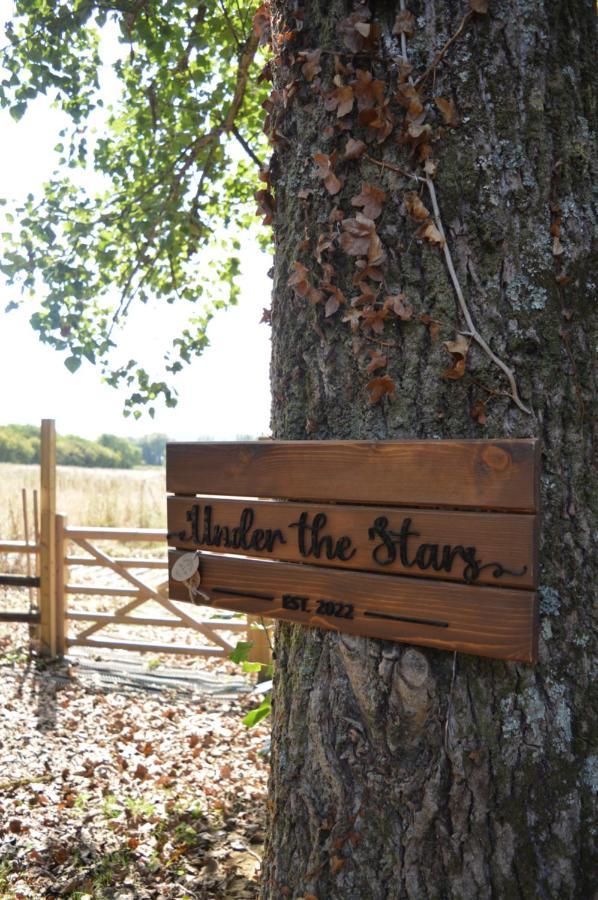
[118, 498]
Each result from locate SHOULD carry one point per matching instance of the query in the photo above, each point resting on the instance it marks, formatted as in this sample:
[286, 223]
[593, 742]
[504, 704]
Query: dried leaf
[379, 122]
[415, 207]
[378, 360]
[404, 23]
[354, 149]
[400, 306]
[355, 237]
[368, 90]
[374, 318]
[430, 168]
[371, 199]
[430, 233]
[311, 67]
[267, 320]
[332, 305]
[261, 23]
[299, 279]
[478, 412]
[325, 164]
[341, 99]
[557, 247]
[364, 271]
[432, 325]
[479, 6]
[458, 350]
[325, 242]
[266, 206]
[353, 316]
[355, 31]
[449, 113]
[379, 387]
[311, 426]
[336, 864]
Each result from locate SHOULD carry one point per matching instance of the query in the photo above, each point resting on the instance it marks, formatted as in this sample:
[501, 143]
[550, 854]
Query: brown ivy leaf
[354, 149]
[378, 360]
[336, 864]
[368, 90]
[315, 296]
[311, 67]
[332, 305]
[404, 23]
[400, 306]
[417, 134]
[266, 72]
[265, 206]
[375, 318]
[304, 193]
[379, 122]
[415, 207]
[430, 168]
[458, 350]
[311, 426]
[478, 412]
[325, 164]
[325, 242]
[364, 271]
[430, 233]
[335, 301]
[267, 320]
[353, 316]
[355, 237]
[341, 99]
[355, 30]
[432, 325]
[261, 23]
[449, 113]
[408, 97]
[300, 279]
[479, 6]
[379, 387]
[557, 247]
[336, 215]
[371, 199]
[360, 238]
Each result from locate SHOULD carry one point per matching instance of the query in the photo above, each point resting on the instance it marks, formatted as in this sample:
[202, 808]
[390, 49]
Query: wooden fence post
[61, 580]
[47, 592]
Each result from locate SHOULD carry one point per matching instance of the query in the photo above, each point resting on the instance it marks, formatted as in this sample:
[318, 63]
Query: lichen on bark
[398, 772]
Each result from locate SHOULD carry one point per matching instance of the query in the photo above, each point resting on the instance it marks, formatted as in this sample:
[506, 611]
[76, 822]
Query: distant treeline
[21, 443]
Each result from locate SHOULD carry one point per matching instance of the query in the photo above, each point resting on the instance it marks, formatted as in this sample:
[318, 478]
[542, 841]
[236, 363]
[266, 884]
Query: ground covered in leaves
[114, 791]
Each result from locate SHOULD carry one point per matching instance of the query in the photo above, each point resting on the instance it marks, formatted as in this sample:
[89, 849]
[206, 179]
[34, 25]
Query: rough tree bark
[399, 772]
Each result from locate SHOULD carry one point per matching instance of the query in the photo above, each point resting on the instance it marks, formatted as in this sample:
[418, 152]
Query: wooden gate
[140, 582]
[136, 589]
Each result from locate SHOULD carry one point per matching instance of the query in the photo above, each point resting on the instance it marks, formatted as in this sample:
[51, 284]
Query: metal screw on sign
[186, 569]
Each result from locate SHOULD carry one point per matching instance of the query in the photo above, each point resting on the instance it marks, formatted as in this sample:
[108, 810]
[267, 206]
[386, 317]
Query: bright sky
[224, 393]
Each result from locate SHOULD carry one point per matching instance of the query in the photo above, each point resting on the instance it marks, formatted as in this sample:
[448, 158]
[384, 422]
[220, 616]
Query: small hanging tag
[186, 569]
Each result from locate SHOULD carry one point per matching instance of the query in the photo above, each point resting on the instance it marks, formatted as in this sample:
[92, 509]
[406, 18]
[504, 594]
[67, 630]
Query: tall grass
[118, 498]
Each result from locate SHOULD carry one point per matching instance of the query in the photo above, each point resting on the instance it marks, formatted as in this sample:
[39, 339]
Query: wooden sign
[428, 542]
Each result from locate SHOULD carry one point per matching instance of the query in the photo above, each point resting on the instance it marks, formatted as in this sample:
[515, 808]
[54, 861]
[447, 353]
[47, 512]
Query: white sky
[224, 393]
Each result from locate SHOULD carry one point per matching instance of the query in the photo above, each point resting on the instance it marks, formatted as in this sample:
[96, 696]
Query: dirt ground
[121, 785]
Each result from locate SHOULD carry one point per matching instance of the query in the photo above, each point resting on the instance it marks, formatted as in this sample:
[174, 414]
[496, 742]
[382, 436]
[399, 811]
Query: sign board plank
[484, 621]
[482, 548]
[498, 474]
[429, 542]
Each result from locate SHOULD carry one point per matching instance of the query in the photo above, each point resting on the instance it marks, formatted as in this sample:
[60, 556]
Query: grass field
[123, 498]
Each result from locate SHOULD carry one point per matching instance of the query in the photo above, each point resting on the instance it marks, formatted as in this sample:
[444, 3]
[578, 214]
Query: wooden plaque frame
[429, 542]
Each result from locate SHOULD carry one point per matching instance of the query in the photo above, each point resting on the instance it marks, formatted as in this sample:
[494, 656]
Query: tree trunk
[401, 772]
